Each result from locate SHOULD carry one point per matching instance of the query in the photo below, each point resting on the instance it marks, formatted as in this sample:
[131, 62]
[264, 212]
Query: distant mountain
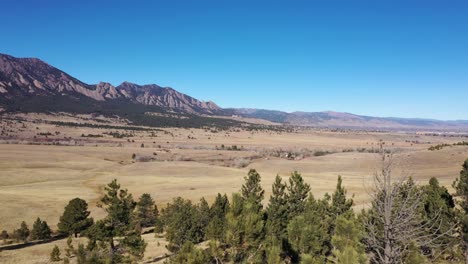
[27, 77]
[346, 120]
[29, 84]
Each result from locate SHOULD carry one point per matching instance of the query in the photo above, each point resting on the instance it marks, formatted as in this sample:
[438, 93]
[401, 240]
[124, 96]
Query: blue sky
[379, 58]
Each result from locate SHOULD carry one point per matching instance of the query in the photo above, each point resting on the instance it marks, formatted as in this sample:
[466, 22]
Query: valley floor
[39, 177]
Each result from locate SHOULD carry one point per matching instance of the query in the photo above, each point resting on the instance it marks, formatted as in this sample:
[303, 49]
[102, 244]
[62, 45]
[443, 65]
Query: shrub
[55, 254]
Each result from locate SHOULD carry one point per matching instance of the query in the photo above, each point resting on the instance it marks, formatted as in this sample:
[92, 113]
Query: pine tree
[235, 229]
[75, 218]
[22, 233]
[298, 191]
[252, 190]
[277, 210]
[181, 222]
[461, 187]
[204, 215]
[347, 246]
[120, 223]
[40, 230]
[439, 212]
[190, 254]
[81, 254]
[254, 232]
[245, 229]
[55, 254]
[340, 204]
[146, 210]
[308, 232]
[218, 211]
[70, 250]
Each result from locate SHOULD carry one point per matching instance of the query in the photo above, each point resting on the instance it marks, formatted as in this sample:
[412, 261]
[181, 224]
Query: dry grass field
[38, 176]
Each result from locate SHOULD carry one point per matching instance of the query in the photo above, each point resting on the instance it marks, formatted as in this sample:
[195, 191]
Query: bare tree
[394, 221]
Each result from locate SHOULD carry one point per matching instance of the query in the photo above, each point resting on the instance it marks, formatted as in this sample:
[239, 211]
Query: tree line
[404, 223]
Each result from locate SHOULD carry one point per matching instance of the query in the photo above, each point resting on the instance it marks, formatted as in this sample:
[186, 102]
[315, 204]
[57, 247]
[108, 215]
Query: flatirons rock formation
[23, 80]
[26, 77]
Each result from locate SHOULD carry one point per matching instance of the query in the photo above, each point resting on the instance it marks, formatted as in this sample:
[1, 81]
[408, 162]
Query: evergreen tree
[245, 222]
[298, 191]
[308, 232]
[204, 214]
[81, 254]
[273, 251]
[277, 210]
[119, 205]
[254, 232]
[146, 210]
[22, 233]
[252, 190]
[40, 230]
[461, 187]
[347, 246]
[55, 254]
[340, 204]
[134, 245]
[217, 224]
[235, 229]
[119, 222]
[414, 255]
[439, 213]
[75, 218]
[181, 222]
[190, 254]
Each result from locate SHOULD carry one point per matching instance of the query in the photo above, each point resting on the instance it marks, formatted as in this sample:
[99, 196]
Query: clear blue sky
[377, 57]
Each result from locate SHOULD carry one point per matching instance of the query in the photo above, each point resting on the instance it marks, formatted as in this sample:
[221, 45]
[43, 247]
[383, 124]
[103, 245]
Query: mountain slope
[26, 77]
[29, 84]
[346, 120]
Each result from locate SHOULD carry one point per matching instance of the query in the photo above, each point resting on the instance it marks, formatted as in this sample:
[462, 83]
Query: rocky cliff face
[153, 94]
[33, 77]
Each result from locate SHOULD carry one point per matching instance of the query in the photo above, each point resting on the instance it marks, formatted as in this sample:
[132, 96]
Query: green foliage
[181, 222]
[439, 212]
[217, 225]
[134, 245]
[81, 254]
[75, 218]
[119, 205]
[40, 230]
[190, 254]
[310, 259]
[252, 190]
[273, 251]
[461, 191]
[441, 146]
[277, 210]
[119, 222]
[346, 241]
[246, 222]
[414, 255]
[308, 233]
[22, 233]
[234, 228]
[204, 215]
[158, 225]
[146, 211]
[55, 254]
[340, 204]
[298, 191]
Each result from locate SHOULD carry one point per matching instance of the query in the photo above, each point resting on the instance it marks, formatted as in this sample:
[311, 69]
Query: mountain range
[30, 84]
